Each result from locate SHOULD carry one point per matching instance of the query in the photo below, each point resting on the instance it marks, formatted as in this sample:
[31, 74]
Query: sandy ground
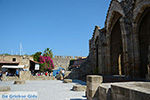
[48, 89]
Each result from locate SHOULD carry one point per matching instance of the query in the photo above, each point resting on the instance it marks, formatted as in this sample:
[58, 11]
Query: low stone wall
[131, 91]
[96, 90]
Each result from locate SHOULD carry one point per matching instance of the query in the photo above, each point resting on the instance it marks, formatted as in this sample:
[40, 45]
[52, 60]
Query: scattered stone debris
[79, 88]
[19, 82]
[67, 80]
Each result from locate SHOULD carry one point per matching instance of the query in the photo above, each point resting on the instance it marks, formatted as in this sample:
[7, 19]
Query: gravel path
[48, 89]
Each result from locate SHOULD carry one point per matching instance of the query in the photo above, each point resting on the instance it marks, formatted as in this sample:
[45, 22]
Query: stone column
[93, 82]
[107, 55]
[136, 51]
[127, 46]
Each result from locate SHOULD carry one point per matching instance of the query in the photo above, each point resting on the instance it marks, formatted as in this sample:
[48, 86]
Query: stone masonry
[96, 90]
[63, 61]
[123, 41]
[93, 82]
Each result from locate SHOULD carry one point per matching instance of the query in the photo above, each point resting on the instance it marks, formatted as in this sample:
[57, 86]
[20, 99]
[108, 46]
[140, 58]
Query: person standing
[17, 72]
[63, 73]
[1, 75]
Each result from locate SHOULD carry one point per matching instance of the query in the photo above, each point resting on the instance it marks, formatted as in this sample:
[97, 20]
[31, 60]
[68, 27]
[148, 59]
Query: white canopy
[12, 66]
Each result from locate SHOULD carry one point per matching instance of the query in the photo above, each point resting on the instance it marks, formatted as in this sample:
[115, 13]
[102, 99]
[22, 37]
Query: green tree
[6, 54]
[36, 56]
[48, 52]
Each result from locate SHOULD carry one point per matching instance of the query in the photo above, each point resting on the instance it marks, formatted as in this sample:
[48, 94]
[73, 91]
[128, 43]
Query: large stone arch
[114, 12]
[139, 9]
[116, 46]
[113, 8]
[141, 30]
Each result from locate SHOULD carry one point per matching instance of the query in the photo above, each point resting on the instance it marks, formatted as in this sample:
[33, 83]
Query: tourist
[17, 72]
[6, 73]
[46, 73]
[1, 75]
[63, 73]
[49, 73]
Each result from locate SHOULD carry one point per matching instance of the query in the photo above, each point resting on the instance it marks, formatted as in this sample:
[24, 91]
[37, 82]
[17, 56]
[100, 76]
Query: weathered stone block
[79, 88]
[94, 78]
[67, 81]
[19, 82]
[93, 82]
[4, 88]
[92, 86]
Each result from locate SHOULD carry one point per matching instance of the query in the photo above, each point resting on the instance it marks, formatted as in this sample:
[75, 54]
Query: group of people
[8, 73]
[42, 74]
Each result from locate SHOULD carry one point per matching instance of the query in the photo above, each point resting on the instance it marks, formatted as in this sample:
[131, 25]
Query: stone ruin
[122, 46]
[120, 52]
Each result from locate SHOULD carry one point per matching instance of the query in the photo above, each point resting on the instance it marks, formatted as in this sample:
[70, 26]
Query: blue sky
[65, 26]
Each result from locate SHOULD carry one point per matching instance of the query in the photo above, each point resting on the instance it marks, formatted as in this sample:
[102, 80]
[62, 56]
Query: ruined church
[122, 47]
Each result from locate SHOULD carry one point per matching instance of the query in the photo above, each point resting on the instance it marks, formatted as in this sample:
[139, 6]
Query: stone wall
[130, 91]
[63, 61]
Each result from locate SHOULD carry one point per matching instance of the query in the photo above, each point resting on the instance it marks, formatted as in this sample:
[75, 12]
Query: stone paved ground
[48, 89]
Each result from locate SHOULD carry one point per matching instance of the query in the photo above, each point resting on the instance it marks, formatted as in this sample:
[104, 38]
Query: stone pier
[93, 82]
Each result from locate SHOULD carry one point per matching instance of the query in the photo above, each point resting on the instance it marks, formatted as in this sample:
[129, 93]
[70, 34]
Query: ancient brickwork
[63, 61]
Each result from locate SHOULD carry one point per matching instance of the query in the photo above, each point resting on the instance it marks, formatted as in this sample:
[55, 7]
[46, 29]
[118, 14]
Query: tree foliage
[45, 59]
[48, 52]
[46, 63]
[36, 56]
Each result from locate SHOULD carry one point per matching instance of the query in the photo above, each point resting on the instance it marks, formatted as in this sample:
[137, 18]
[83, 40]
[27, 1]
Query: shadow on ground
[77, 99]
[79, 82]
